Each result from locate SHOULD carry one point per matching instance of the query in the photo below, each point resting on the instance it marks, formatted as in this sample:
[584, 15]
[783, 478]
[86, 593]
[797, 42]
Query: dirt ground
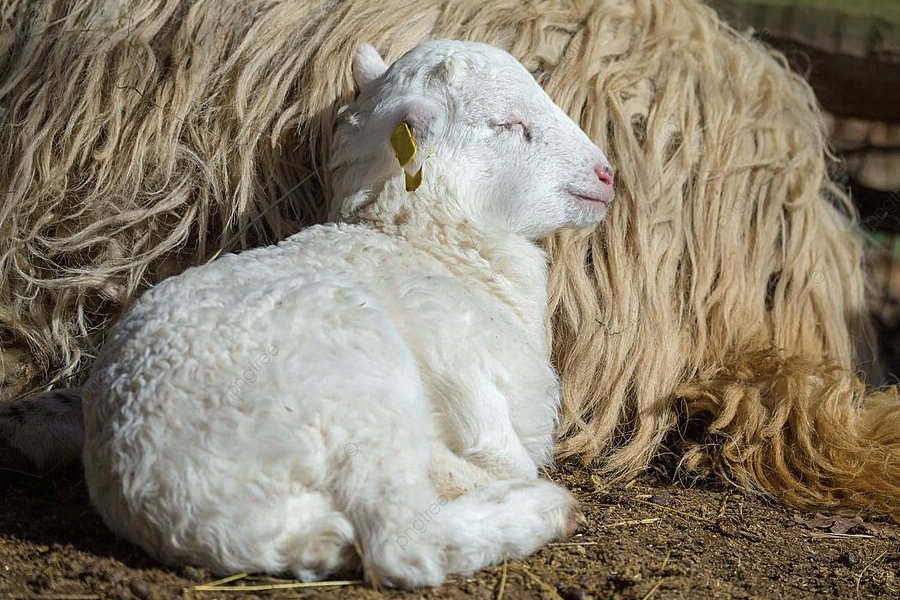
[646, 539]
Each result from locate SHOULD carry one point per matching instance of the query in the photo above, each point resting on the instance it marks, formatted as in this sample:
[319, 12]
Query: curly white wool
[383, 380]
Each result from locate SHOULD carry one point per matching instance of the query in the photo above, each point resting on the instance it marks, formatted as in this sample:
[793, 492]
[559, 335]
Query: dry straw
[137, 136]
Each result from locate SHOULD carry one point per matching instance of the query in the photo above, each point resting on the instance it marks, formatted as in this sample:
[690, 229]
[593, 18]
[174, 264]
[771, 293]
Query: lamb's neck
[510, 267]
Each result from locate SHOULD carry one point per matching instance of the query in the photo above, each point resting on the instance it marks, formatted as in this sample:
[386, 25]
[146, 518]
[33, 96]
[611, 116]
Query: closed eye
[523, 129]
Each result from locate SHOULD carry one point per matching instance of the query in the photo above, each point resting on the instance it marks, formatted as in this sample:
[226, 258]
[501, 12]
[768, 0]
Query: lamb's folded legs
[411, 536]
[477, 424]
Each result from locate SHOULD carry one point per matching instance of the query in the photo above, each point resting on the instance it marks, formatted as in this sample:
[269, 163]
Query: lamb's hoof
[576, 521]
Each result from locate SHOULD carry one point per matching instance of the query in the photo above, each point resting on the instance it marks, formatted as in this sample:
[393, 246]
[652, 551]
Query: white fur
[384, 381]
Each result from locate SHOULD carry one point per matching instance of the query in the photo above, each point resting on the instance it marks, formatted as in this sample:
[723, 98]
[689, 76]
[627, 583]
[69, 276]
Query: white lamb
[381, 385]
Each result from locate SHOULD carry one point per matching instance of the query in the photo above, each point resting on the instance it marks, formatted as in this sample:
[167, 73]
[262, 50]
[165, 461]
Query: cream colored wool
[138, 136]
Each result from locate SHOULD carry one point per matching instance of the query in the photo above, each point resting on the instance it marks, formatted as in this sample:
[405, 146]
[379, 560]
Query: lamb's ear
[367, 66]
[411, 138]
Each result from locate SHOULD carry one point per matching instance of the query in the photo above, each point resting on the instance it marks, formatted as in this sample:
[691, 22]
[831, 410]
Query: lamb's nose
[604, 174]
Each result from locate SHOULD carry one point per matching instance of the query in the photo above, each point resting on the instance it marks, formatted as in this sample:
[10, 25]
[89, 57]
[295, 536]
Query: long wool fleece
[725, 285]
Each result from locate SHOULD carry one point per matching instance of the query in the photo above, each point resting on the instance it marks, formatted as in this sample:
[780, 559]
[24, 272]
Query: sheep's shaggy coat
[724, 291]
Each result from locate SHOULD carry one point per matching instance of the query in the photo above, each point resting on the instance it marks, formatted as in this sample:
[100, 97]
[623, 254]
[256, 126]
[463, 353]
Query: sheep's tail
[812, 436]
[41, 433]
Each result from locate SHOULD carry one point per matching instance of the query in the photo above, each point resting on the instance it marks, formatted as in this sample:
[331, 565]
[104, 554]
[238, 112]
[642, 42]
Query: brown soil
[648, 539]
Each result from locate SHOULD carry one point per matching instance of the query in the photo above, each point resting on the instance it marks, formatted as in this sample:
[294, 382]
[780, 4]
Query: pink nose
[604, 174]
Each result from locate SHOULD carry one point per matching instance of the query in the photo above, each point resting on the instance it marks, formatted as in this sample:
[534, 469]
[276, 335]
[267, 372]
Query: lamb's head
[488, 143]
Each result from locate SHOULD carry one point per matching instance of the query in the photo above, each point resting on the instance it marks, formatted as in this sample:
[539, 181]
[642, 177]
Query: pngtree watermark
[420, 524]
[251, 373]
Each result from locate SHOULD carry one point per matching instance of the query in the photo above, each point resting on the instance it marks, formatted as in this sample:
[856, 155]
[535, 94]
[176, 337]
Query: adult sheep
[407, 352]
[724, 293]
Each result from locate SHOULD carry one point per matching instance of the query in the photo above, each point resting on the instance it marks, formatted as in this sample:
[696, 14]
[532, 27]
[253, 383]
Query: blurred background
[849, 50]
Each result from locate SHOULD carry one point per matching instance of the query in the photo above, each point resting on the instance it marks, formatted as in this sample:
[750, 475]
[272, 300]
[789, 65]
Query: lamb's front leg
[476, 424]
[478, 368]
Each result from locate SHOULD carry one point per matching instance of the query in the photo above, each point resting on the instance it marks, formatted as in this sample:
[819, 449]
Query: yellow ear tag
[413, 181]
[403, 144]
[405, 150]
